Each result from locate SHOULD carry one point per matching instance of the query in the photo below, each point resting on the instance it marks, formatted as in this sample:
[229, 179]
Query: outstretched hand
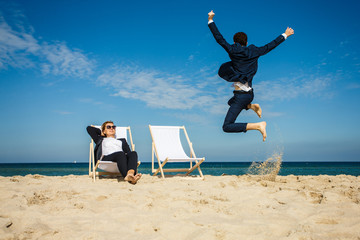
[211, 15]
[289, 31]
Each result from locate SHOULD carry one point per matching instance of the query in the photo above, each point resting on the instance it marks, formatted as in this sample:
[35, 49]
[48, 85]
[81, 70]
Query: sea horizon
[208, 168]
[287, 161]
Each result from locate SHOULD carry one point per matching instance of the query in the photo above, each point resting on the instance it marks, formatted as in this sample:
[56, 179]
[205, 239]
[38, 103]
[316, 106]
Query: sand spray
[269, 169]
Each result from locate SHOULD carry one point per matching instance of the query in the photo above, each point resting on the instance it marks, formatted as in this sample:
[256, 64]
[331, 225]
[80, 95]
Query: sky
[66, 64]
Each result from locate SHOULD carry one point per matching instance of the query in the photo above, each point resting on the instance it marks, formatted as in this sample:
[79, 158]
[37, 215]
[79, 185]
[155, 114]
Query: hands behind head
[211, 15]
[289, 31]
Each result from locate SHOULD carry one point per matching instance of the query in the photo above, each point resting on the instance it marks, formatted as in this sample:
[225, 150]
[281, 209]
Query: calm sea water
[208, 168]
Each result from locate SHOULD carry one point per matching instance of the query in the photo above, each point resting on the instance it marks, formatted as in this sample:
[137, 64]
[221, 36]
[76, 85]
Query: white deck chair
[167, 147]
[109, 168]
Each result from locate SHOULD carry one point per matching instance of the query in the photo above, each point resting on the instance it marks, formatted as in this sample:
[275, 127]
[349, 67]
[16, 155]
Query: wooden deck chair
[109, 168]
[167, 147]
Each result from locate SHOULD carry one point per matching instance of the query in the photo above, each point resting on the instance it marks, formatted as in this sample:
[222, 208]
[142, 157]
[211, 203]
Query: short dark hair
[241, 38]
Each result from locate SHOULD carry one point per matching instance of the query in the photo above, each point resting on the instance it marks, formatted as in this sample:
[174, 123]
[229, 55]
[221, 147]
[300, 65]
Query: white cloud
[63, 112]
[273, 114]
[353, 86]
[156, 89]
[20, 49]
[195, 117]
[60, 60]
[90, 100]
[205, 91]
[292, 88]
[16, 47]
[52, 83]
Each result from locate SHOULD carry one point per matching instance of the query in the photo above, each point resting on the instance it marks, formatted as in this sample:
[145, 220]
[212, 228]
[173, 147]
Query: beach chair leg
[197, 165]
[160, 169]
[94, 175]
[90, 159]
[94, 170]
[157, 170]
[200, 172]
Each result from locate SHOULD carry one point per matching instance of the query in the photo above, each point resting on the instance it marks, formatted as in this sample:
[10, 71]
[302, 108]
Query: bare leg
[260, 126]
[256, 108]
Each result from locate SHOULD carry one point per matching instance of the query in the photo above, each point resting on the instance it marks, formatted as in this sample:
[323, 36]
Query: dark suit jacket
[244, 60]
[95, 134]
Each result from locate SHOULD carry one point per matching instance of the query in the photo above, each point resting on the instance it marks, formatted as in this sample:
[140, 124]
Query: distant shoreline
[208, 168]
[77, 162]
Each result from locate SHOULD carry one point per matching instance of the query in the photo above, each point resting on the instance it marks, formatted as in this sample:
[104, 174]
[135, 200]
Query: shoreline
[168, 176]
[218, 207]
[209, 168]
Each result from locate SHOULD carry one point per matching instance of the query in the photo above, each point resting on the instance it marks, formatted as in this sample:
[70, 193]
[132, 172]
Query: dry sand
[218, 207]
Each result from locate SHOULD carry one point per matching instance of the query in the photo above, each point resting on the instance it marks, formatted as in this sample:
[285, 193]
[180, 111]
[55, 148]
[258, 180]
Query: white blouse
[111, 145]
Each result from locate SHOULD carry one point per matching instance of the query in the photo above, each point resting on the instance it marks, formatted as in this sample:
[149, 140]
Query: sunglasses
[111, 127]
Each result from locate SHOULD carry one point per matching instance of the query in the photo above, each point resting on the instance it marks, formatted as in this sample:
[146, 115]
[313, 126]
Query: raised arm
[273, 44]
[217, 35]
[94, 133]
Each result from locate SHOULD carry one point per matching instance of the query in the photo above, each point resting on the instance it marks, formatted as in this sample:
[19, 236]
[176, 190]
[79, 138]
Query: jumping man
[241, 70]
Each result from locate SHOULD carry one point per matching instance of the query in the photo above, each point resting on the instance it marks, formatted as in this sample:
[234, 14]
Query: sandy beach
[218, 207]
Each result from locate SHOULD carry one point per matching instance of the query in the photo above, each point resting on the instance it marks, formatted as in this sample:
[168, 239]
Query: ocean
[208, 168]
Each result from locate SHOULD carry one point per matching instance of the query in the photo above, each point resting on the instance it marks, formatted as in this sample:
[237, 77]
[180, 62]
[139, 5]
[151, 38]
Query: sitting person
[115, 150]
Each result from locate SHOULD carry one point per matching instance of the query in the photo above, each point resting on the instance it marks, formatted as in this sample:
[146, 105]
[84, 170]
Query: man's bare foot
[260, 126]
[257, 109]
[262, 129]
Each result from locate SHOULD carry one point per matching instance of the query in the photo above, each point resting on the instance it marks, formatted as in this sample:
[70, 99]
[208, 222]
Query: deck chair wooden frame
[94, 168]
[161, 162]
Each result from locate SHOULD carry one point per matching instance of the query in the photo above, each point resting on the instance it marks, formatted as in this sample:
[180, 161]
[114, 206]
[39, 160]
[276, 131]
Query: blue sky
[68, 64]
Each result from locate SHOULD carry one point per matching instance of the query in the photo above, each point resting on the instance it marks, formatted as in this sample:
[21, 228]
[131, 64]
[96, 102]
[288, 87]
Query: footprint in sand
[101, 198]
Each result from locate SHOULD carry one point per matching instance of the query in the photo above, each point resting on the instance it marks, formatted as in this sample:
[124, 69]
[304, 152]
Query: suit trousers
[237, 103]
[125, 162]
